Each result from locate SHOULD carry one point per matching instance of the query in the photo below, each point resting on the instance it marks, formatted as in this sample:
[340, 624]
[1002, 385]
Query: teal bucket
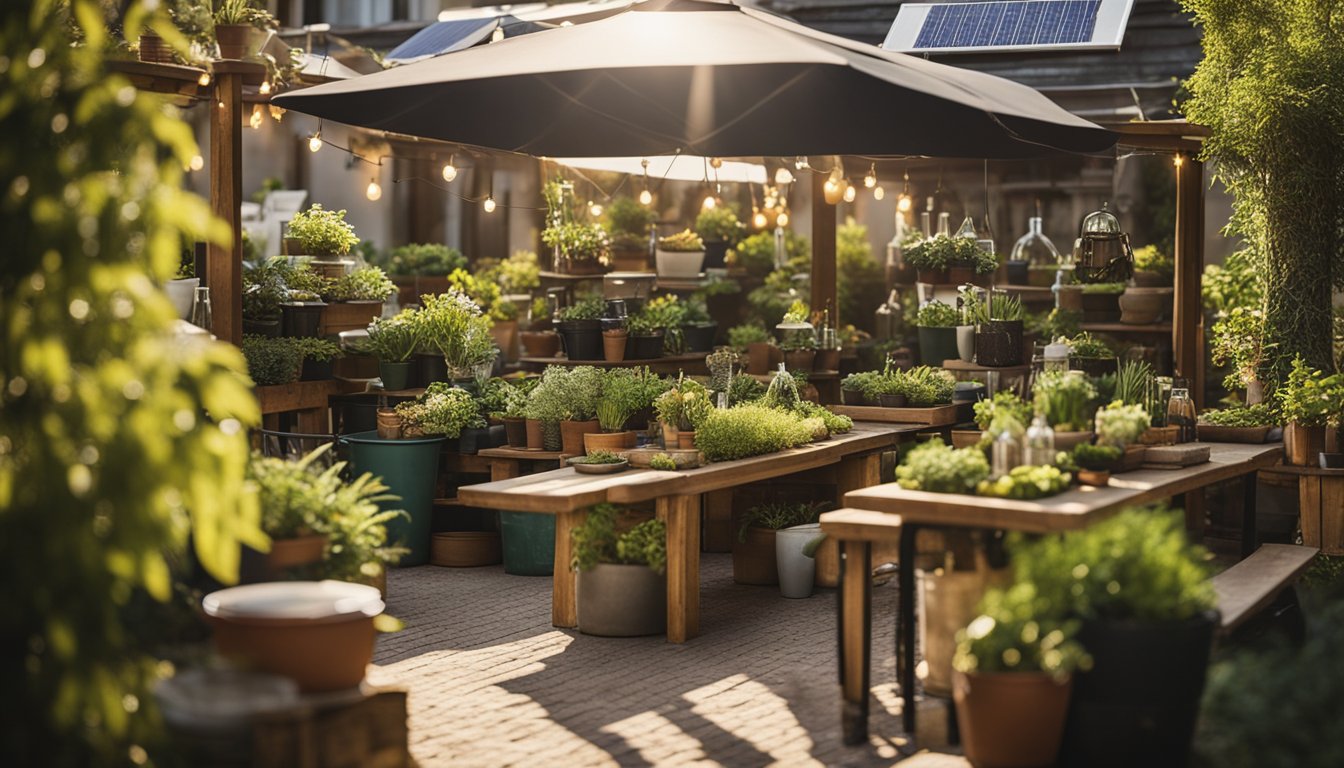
[410, 469]
[528, 539]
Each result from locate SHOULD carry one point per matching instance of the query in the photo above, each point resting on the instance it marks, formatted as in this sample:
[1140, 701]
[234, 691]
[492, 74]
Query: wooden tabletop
[522, 454]
[935, 416]
[1072, 509]
[564, 490]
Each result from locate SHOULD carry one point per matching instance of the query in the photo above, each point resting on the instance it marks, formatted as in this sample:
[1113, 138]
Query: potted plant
[409, 466]
[319, 356]
[1307, 400]
[327, 237]
[420, 268]
[356, 299]
[749, 429]
[798, 338]
[998, 330]
[1240, 424]
[937, 332]
[720, 230]
[622, 393]
[680, 256]
[1065, 399]
[1153, 268]
[302, 312]
[1013, 675]
[669, 313]
[615, 338]
[681, 410]
[1095, 462]
[292, 496]
[754, 554]
[1239, 342]
[645, 336]
[235, 25]
[579, 248]
[697, 327]
[454, 326]
[855, 388]
[970, 263]
[796, 558]
[936, 467]
[1121, 426]
[547, 406]
[539, 340]
[931, 258]
[272, 361]
[582, 390]
[630, 223]
[1143, 595]
[580, 326]
[393, 341]
[622, 584]
[1091, 355]
[264, 290]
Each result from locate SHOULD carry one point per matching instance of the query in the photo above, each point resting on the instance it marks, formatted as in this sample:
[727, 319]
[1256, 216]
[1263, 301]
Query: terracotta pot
[1301, 444]
[389, 424]
[1098, 478]
[540, 343]
[1011, 719]
[515, 431]
[572, 432]
[608, 441]
[534, 436]
[235, 40]
[670, 435]
[759, 356]
[465, 549]
[349, 316]
[800, 359]
[613, 345]
[827, 360]
[301, 550]
[754, 560]
[686, 439]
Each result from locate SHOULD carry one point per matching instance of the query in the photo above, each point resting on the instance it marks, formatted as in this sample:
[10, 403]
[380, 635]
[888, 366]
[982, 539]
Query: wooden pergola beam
[823, 250]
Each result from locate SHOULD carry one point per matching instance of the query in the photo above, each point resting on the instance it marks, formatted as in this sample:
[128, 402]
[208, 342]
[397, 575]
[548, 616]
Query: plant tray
[965, 438]
[685, 458]
[937, 416]
[1209, 433]
[1175, 456]
[584, 468]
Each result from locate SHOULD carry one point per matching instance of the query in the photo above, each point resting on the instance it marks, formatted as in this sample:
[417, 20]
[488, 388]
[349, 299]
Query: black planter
[315, 370]
[1139, 702]
[648, 347]
[474, 439]
[699, 337]
[936, 344]
[261, 327]
[515, 432]
[1018, 272]
[715, 251]
[395, 376]
[301, 319]
[429, 367]
[851, 397]
[1094, 366]
[892, 400]
[998, 343]
[582, 339]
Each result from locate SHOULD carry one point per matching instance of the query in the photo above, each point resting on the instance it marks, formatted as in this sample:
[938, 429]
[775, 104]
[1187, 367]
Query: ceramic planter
[799, 359]
[535, 440]
[617, 600]
[465, 549]
[937, 344]
[966, 343]
[302, 319]
[429, 367]
[646, 346]
[796, 571]
[472, 440]
[680, 265]
[1302, 444]
[317, 633]
[582, 339]
[613, 345]
[608, 441]
[699, 337]
[754, 560]
[235, 40]
[572, 435]
[998, 343]
[1011, 718]
[291, 553]
[395, 376]
[540, 343]
[182, 292]
[515, 432]
[349, 316]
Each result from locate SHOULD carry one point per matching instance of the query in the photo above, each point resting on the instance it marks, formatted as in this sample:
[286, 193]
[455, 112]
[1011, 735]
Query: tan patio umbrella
[704, 78]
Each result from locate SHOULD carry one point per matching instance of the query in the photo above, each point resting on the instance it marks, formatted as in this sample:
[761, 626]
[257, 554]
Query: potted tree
[720, 230]
[622, 584]
[937, 324]
[680, 256]
[1307, 400]
[1066, 399]
[580, 326]
[630, 224]
[236, 22]
[393, 341]
[325, 236]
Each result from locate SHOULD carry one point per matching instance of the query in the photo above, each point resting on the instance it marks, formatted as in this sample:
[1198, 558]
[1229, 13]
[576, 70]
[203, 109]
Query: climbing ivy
[1269, 88]
[118, 438]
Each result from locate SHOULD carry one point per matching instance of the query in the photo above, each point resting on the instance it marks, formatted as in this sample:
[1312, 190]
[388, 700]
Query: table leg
[856, 472]
[718, 521]
[1250, 538]
[682, 515]
[315, 421]
[564, 586]
[503, 469]
[905, 631]
[854, 610]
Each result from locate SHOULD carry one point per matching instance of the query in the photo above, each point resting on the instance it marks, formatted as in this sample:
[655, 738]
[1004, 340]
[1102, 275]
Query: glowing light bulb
[1178, 160]
[594, 208]
[832, 190]
[197, 163]
[449, 171]
[204, 79]
[904, 204]
[315, 143]
[800, 164]
[257, 116]
[276, 113]
[265, 87]
[489, 204]
[715, 162]
[782, 220]
[870, 178]
[783, 176]
[849, 193]
[709, 203]
[646, 197]
[879, 193]
[373, 191]
[759, 220]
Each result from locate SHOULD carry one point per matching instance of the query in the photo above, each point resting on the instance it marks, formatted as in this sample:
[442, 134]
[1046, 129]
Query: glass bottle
[1039, 449]
[1006, 453]
[1159, 393]
[945, 224]
[967, 229]
[1035, 248]
[924, 224]
[201, 316]
[1181, 412]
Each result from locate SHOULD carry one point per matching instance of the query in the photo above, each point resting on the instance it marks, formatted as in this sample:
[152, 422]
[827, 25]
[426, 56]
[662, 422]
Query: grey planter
[797, 572]
[622, 601]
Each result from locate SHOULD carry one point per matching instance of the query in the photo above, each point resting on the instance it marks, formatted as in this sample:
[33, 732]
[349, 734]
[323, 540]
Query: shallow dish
[585, 468]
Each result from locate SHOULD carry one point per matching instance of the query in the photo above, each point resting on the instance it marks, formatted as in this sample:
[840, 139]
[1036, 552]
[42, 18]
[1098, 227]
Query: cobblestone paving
[492, 683]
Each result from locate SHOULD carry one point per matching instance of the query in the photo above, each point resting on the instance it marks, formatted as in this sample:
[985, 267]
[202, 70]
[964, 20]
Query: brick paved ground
[492, 683]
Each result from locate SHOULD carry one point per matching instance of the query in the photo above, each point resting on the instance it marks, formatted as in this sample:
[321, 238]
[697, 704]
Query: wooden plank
[299, 396]
[718, 522]
[521, 455]
[1247, 587]
[1309, 509]
[564, 583]
[855, 637]
[1072, 509]
[682, 514]
[823, 250]
[504, 469]
[861, 525]
[469, 463]
[1332, 515]
[224, 270]
[936, 416]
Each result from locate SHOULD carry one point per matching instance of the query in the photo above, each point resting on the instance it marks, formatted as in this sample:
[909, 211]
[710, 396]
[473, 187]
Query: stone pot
[616, 600]
[1011, 718]
[1144, 306]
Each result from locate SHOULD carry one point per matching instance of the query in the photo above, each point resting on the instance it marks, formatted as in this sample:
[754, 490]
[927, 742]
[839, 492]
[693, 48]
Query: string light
[265, 87]
[709, 203]
[197, 163]
[257, 116]
[904, 203]
[870, 179]
[489, 204]
[759, 220]
[850, 194]
[879, 193]
[450, 170]
[1178, 160]
[276, 113]
[801, 164]
[783, 176]
[646, 197]
[373, 192]
[833, 189]
[783, 219]
[594, 208]
[315, 142]
[204, 79]
[715, 163]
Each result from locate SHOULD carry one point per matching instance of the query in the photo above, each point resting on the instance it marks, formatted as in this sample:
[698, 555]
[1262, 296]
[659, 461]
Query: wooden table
[678, 497]
[506, 463]
[1071, 510]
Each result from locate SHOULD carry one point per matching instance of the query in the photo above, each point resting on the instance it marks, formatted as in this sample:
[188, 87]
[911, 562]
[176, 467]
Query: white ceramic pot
[966, 342]
[182, 293]
[797, 571]
[680, 264]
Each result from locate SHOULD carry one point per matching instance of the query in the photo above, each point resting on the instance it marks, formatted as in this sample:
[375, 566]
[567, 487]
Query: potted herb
[454, 326]
[645, 336]
[749, 429]
[797, 338]
[442, 410]
[1143, 595]
[719, 229]
[938, 468]
[292, 496]
[356, 299]
[622, 582]
[681, 410]
[319, 356]
[1153, 268]
[1065, 399]
[264, 290]
[998, 330]
[539, 340]
[580, 326]
[754, 553]
[582, 390]
[326, 236]
[1091, 355]
[931, 258]
[622, 395]
[630, 224]
[1307, 400]
[1013, 677]
[937, 332]
[1095, 462]
[235, 25]
[579, 248]
[1240, 424]
[272, 361]
[669, 313]
[514, 414]
[599, 463]
[857, 388]
[302, 312]
[680, 256]
[1121, 426]
[393, 341]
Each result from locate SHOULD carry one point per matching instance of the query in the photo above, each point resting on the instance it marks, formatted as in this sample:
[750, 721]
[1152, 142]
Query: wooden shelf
[298, 396]
[1155, 328]
[960, 366]
[937, 416]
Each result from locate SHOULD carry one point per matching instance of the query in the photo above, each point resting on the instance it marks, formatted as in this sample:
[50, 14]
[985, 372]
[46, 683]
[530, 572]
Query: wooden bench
[1251, 585]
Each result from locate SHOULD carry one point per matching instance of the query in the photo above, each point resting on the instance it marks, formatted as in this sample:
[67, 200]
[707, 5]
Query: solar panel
[986, 25]
[443, 37]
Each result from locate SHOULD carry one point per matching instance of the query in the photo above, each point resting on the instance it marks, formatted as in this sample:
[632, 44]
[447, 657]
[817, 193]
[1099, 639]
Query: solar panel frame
[995, 25]
[443, 37]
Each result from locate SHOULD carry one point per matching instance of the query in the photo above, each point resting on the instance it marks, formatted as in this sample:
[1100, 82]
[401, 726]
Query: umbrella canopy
[704, 78]
[672, 168]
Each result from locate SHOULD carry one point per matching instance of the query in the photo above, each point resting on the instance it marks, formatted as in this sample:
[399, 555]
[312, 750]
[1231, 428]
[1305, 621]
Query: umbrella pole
[823, 250]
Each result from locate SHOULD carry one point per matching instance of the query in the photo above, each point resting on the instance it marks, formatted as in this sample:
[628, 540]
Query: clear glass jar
[945, 224]
[1039, 445]
[1055, 357]
[1006, 453]
[201, 314]
[1159, 393]
[925, 225]
[967, 229]
[1035, 248]
[1181, 412]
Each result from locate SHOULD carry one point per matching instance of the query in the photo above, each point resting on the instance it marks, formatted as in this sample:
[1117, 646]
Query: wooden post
[224, 272]
[564, 587]
[682, 515]
[823, 250]
[855, 606]
[1187, 322]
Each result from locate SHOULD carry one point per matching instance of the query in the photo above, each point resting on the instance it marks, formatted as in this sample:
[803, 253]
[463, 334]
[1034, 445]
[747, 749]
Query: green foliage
[744, 389]
[423, 259]
[684, 241]
[975, 309]
[1137, 565]
[1109, 289]
[749, 430]
[243, 12]
[778, 515]
[718, 223]
[936, 467]
[492, 395]
[1259, 415]
[925, 386]
[936, 314]
[1120, 425]
[1004, 401]
[1150, 259]
[685, 405]
[484, 289]
[596, 541]
[516, 398]
[1088, 346]
[860, 285]
[264, 289]
[367, 284]
[1268, 89]
[781, 393]
[663, 462]
[1239, 341]
[452, 324]
[1309, 397]
[756, 254]
[318, 350]
[519, 273]
[321, 232]
[1133, 382]
[272, 361]
[395, 339]
[1098, 458]
[1054, 324]
[625, 215]
[1065, 398]
[1235, 283]
[118, 438]
[597, 457]
[942, 251]
[442, 410]
[577, 241]
[623, 393]
[1014, 633]
[836, 424]
[587, 306]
